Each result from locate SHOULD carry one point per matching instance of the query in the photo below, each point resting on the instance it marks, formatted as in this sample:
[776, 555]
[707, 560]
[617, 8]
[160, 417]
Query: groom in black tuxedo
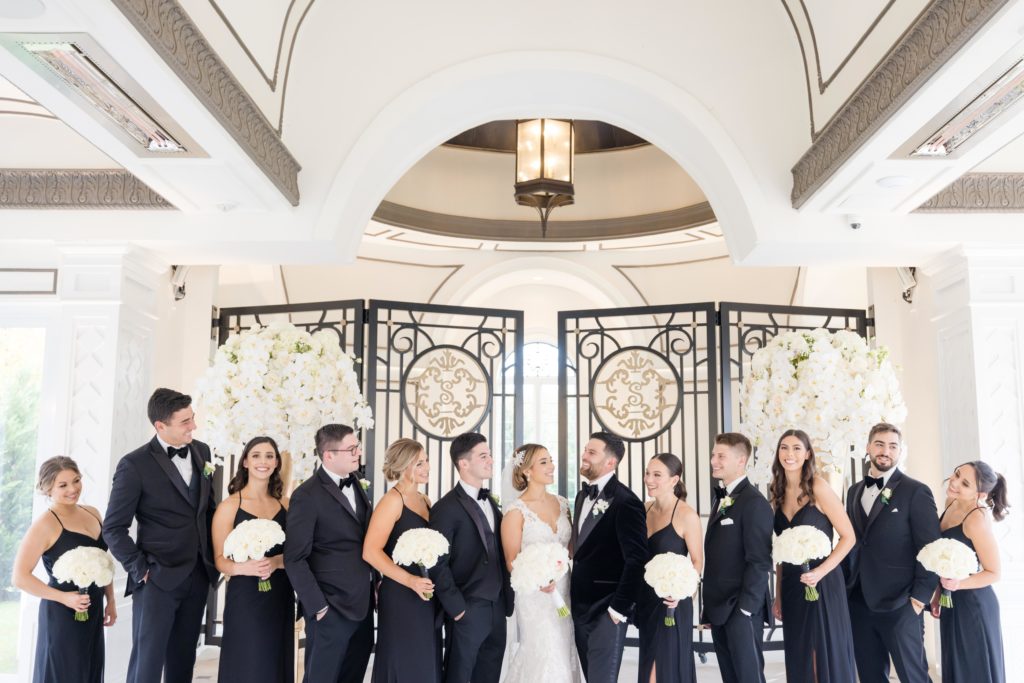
[471, 581]
[165, 487]
[323, 555]
[609, 541]
[737, 563]
[894, 516]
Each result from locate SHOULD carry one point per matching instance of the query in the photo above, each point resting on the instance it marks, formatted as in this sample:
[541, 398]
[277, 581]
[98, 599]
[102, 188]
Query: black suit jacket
[884, 560]
[171, 533]
[468, 569]
[323, 550]
[738, 557]
[609, 554]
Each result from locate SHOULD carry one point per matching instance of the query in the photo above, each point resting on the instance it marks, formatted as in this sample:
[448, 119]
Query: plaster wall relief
[979, 193]
[87, 427]
[76, 189]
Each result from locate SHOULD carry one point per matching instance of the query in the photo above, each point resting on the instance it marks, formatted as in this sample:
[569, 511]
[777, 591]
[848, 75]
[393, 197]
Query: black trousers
[879, 635]
[165, 629]
[337, 649]
[738, 647]
[475, 644]
[599, 643]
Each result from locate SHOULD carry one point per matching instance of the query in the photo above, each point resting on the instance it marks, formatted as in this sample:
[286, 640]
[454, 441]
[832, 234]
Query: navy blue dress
[408, 641]
[668, 647]
[972, 641]
[259, 628]
[816, 632]
[69, 651]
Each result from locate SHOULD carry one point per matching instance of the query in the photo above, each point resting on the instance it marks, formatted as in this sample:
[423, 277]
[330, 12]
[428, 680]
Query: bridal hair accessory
[518, 456]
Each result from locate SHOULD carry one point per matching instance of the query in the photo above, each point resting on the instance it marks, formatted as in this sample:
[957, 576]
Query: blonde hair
[522, 460]
[49, 470]
[399, 456]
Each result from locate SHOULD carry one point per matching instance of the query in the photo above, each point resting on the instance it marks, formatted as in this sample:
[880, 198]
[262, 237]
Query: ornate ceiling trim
[979, 193]
[76, 189]
[170, 31]
[449, 225]
[935, 36]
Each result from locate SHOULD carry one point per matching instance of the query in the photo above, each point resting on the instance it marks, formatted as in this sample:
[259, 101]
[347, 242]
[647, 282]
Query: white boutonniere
[208, 469]
[364, 484]
[886, 495]
[600, 507]
[727, 502]
[496, 498]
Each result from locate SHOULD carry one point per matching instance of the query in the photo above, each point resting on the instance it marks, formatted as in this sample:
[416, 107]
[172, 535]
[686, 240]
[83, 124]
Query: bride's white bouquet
[84, 566]
[950, 559]
[672, 577]
[539, 565]
[421, 547]
[251, 540]
[799, 545]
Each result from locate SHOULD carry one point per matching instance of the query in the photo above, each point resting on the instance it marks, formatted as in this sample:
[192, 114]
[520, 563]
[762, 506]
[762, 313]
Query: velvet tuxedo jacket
[609, 553]
[883, 562]
[738, 556]
[323, 550]
[173, 531]
[474, 566]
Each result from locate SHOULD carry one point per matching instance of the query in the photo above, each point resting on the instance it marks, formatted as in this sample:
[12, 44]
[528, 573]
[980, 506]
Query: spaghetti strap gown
[259, 628]
[815, 632]
[668, 647]
[69, 651]
[972, 641]
[408, 643]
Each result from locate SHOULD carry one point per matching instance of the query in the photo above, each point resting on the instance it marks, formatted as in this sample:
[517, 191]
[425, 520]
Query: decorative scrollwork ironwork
[636, 393]
[446, 391]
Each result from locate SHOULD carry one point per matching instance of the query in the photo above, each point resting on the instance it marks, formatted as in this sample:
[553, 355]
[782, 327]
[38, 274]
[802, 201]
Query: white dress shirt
[867, 499]
[473, 492]
[348, 491]
[588, 505]
[183, 465]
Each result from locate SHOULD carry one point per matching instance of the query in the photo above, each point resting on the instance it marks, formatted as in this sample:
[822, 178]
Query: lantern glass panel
[528, 158]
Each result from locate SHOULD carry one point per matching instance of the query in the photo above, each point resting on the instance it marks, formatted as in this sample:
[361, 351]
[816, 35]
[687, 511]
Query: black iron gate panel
[434, 372]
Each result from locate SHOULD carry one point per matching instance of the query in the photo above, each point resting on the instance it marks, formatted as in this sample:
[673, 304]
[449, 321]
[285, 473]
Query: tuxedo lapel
[717, 512]
[366, 502]
[198, 465]
[332, 488]
[578, 508]
[164, 462]
[593, 520]
[475, 514]
[876, 508]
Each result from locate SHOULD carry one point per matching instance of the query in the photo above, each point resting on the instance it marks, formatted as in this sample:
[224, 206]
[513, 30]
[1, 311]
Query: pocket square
[726, 521]
[895, 510]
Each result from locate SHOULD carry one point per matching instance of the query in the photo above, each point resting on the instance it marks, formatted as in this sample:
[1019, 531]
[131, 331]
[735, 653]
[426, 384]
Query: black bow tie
[350, 480]
[483, 494]
[590, 491]
[179, 452]
[719, 493]
[874, 481]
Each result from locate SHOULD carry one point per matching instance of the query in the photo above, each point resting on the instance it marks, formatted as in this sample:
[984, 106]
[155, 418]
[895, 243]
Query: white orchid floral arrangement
[281, 381]
[832, 385]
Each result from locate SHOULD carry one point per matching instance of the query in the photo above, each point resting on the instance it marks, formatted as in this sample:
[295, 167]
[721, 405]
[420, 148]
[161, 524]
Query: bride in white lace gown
[545, 651]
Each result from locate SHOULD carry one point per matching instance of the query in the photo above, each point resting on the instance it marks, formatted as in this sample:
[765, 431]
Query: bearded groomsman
[164, 485]
[323, 555]
[894, 516]
[471, 581]
[737, 564]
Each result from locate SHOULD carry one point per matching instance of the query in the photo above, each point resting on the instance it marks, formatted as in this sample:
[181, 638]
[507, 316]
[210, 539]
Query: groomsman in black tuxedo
[165, 487]
[737, 564]
[471, 581]
[894, 516]
[609, 538]
[323, 555]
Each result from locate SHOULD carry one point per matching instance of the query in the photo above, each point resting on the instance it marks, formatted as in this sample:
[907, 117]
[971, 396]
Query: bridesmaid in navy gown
[666, 652]
[972, 640]
[817, 635]
[408, 642]
[259, 627]
[67, 651]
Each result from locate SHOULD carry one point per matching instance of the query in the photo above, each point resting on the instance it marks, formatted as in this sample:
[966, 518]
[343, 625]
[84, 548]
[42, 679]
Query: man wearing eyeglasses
[323, 555]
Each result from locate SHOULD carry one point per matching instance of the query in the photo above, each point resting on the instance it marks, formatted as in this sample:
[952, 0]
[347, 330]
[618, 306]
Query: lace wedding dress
[546, 651]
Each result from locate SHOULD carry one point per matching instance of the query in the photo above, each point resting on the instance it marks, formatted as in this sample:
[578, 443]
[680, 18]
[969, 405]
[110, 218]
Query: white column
[978, 324]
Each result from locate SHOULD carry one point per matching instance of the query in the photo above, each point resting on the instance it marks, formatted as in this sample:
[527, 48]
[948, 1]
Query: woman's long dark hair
[777, 489]
[674, 466]
[992, 483]
[275, 487]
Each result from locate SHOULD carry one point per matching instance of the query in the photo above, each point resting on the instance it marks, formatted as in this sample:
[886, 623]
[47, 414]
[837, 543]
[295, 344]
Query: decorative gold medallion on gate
[635, 393]
[446, 391]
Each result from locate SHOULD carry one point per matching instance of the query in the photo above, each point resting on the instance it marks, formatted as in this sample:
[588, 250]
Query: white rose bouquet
[420, 547]
[251, 540]
[84, 566]
[672, 577]
[950, 559]
[799, 545]
[538, 566]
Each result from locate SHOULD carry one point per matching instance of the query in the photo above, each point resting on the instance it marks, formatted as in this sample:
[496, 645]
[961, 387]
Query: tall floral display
[283, 382]
[832, 385]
